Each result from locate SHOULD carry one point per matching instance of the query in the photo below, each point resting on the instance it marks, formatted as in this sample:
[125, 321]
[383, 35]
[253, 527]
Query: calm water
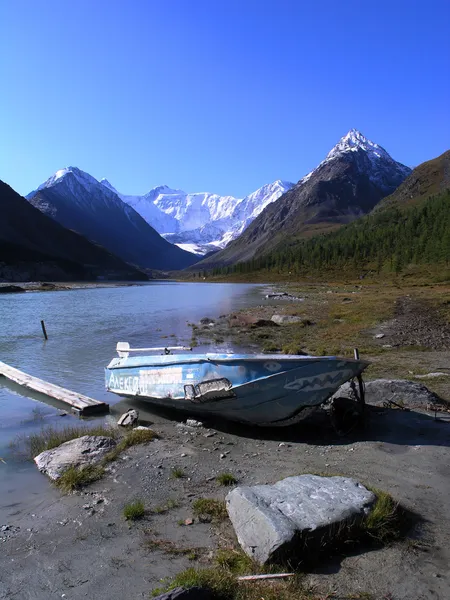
[84, 327]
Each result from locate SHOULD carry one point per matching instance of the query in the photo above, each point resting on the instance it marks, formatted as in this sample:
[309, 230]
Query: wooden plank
[79, 402]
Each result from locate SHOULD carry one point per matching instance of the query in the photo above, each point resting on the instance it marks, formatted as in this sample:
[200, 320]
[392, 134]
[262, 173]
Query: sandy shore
[80, 546]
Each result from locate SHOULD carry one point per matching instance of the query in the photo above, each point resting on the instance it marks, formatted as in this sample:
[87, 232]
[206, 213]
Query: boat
[260, 389]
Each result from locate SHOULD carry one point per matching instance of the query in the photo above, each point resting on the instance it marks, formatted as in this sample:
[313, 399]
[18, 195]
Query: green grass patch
[51, 437]
[134, 510]
[210, 507]
[75, 478]
[177, 473]
[385, 522]
[226, 479]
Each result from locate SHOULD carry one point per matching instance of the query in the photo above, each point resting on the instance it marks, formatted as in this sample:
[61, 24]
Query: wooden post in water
[44, 331]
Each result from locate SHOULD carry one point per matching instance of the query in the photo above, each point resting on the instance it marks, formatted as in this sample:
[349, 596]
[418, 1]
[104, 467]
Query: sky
[216, 95]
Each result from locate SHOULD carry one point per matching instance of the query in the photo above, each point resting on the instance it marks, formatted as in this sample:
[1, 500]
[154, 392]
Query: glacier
[201, 221]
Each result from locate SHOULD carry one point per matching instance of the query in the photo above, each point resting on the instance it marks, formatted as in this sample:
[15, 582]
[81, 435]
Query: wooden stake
[44, 331]
[269, 576]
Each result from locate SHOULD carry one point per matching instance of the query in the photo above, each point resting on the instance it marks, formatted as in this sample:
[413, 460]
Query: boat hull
[261, 389]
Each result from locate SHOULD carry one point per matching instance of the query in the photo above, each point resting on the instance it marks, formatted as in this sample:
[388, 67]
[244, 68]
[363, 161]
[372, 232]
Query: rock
[209, 434]
[409, 394]
[194, 423]
[11, 289]
[193, 593]
[207, 321]
[282, 319]
[86, 450]
[189, 521]
[129, 418]
[379, 336]
[274, 521]
[141, 428]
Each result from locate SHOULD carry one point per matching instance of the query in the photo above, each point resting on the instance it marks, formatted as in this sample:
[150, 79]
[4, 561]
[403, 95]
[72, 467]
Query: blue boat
[261, 389]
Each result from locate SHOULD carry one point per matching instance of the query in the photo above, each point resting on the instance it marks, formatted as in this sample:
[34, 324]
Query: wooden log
[80, 403]
[44, 331]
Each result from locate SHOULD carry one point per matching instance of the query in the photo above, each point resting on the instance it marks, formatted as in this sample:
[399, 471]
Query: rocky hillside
[33, 247]
[355, 175]
[431, 177]
[78, 201]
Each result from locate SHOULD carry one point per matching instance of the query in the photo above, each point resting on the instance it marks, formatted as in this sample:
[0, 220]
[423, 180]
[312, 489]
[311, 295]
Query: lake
[84, 327]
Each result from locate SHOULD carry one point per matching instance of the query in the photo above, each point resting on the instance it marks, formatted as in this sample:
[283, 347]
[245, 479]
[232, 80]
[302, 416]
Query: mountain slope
[35, 247]
[410, 227]
[431, 177]
[201, 220]
[355, 175]
[78, 201]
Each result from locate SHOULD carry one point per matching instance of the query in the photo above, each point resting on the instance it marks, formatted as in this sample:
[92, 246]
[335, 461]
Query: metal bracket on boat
[123, 349]
[214, 389]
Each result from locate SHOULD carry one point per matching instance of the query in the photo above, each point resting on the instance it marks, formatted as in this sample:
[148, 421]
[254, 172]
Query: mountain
[409, 228]
[201, 221]
[431, 177]
[33, 247]
[78, 201]
[355, 175]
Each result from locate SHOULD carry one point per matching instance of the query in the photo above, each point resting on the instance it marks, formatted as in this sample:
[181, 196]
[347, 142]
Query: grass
[384, 523]
[226, 479]
[222, 581]
[177, 473]
[169, 547]
[75, 478]
[134, 510]
[50, 437]
[210, 507]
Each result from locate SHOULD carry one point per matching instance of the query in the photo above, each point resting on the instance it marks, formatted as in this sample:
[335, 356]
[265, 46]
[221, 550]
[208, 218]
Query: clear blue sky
[216, 95]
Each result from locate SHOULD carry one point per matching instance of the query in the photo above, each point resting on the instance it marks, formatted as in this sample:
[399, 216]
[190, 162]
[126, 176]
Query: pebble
[183, 455]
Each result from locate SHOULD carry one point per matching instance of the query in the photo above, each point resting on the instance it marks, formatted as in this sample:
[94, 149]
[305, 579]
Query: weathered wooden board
[81, 404]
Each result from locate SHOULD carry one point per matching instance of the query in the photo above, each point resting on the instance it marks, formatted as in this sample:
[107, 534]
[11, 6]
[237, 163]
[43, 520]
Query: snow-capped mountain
[201, 221]
[354, 176]
[79, 202]
[382, 165]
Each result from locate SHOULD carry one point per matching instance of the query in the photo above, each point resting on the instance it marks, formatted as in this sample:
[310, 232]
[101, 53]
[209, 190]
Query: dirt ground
[80, 546]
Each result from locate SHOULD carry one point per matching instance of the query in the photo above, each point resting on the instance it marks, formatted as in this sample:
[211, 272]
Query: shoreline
[37, 286]
[92, 551]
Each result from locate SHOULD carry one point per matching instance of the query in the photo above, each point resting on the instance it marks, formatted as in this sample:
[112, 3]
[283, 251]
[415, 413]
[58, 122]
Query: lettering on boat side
[143, 384]
[128, 384]
[319, 382]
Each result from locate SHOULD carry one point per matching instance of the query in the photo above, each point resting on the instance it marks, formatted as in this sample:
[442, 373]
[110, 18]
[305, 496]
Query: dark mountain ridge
[33, 247]
[78, 201]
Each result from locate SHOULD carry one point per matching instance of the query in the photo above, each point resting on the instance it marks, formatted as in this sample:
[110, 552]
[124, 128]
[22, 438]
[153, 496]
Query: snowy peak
[371, 158]
[354, 140]
[83, 178]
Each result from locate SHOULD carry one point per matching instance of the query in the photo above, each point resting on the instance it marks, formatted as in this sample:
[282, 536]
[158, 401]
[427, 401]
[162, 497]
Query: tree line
[386, 240]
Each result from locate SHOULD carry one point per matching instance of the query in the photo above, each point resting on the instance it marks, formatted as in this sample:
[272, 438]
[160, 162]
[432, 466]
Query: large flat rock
[82, 451]
[272, 521]
[410, 394]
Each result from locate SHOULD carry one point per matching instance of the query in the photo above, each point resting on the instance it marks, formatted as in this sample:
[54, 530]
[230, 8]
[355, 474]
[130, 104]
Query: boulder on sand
[129, 418]
[273, 522]
[82, 451]
[409, 394]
